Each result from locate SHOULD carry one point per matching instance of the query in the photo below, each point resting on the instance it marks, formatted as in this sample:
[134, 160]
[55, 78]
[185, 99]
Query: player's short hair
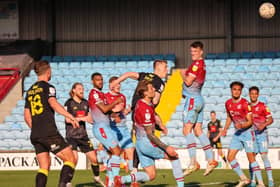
[142, 87]
[71, 93]
[254, 88]
[40, 67]
[113, 78]
[236, 83]
[158, 61]
[95, 74]
[197, 44]
[213, 112]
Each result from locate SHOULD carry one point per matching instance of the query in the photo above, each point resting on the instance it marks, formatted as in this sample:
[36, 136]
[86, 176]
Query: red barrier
[8, 78]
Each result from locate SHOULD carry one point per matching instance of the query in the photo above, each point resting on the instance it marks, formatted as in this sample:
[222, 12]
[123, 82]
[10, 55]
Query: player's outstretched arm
[131, 75]
[268, 122]
[153, 138]
[27, 117]
[61, 110]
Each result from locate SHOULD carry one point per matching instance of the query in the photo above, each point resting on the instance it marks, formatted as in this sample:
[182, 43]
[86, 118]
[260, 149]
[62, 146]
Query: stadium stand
[250, 68]
[8, 78]
[65, 71]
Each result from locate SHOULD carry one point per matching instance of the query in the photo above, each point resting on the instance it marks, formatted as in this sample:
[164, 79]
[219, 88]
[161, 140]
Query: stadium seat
[263, 69]
[276, 61]
[243, 62]
[231, 62]
[74, 65]
[219, 62]
[255, 61]
[63, 65]
[267, 61]
[275, 68]
[209, 62]
[239, 69]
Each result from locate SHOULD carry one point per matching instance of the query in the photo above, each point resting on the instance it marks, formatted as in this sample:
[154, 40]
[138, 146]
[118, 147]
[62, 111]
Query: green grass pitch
[83, 178]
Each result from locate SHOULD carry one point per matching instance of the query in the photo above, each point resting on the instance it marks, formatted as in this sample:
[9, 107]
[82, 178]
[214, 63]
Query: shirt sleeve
[158, 85]
[247, 108]
[51, 91]
[141, 76]
[194, 69]
[267, 111]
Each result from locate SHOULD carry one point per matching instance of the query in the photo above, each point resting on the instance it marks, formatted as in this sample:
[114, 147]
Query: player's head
[77, 90]
[254, 93]
[43, 68]
[236, 89]
[213, 115]
[196, 50]
[145, 89]
[97, 80]
[117, 87]
[160, 68]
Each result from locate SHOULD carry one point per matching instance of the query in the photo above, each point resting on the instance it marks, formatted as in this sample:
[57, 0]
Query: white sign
[9, 20]
[273, 155]
[28, 161]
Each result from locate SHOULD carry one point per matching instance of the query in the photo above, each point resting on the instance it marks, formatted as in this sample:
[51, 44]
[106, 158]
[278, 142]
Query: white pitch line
[208, 184]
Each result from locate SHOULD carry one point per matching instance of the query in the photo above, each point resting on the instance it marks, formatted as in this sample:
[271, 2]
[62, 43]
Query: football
[267, 10]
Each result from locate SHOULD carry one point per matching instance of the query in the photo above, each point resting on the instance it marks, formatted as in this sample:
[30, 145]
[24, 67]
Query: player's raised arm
[131, 75]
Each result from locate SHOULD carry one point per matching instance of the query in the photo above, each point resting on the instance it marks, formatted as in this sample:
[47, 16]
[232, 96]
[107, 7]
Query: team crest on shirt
[52, 91]
[238, 106]
[257, 108]
[95, 96]
[194, 68]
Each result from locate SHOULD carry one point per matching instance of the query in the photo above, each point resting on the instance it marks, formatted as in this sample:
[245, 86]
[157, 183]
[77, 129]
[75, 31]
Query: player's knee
[152, 176]
[116, 151]
[264, 157]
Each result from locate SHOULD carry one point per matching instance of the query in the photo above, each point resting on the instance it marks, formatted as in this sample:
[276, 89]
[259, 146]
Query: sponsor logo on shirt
[195, 68]
[52, 91]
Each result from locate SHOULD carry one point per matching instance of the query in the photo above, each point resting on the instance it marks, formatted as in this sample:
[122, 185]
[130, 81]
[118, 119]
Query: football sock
[204, 141]
[67, 172]
[178, 172]
[191, 146]
[267, 167]
[115, 165]
[130, 165]
[41, 177]
[95, 169]
[256, 171]
[235, 166]
[135, 177]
